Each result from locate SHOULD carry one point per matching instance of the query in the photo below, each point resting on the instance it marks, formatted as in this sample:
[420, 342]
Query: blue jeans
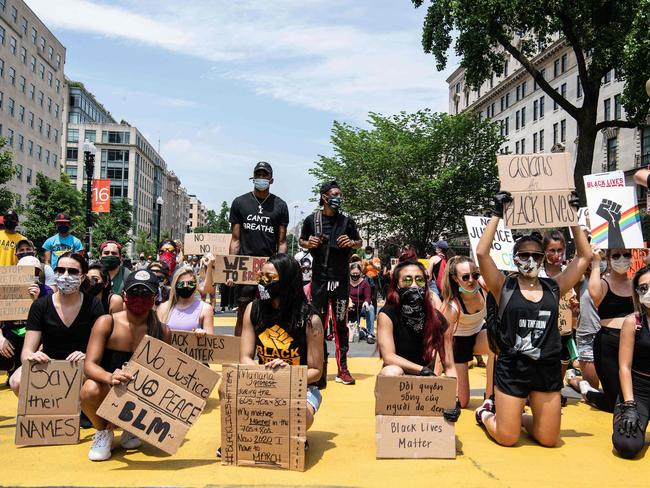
[370, 319]
[434, 288]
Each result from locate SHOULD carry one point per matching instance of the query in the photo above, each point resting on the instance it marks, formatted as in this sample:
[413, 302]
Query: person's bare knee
[91, 392]
[507, 438]
[14, 381]
[391, 370]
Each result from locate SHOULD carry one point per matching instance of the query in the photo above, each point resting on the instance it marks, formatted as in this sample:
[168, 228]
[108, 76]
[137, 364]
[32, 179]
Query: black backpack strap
[318, 222]
[552, 286]
[507, 290]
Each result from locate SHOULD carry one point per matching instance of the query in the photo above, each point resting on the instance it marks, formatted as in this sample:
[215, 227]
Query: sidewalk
[341, 452]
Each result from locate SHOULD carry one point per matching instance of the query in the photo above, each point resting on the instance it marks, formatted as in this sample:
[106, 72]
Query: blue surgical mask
[261, 184]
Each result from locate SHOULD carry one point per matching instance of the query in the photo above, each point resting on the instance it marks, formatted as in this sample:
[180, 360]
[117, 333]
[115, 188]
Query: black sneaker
[371, 339]
[84, 422]
[563, 400]
[219, 452]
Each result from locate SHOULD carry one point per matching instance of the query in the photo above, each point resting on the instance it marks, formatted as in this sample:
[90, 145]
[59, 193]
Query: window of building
[535, 142]
[30, 147]
[503, 104]
[524, 89]
[563, 90]
[10, 106]
[34, 34]
[523, 117]
[505, 68]
[42, 44]
[555, 105]
[556, 68]
[21, 142]
[578, 86]
[58, 60]
[541, 140]
[40, 125]
[41, 71]
[2, 35]
[612, 145]
[73, 135]
[617, 107]
[563, 130]
[47, 156]
[41, 96]
[608, 77]
[39, 150]
[14, 14]
[56, 135]
[23, 25]
[50, 77]
[19, 172]
[12, 76]
[71, 171]
[13, 44]
[57, 84]
[607, 109]
[10, 137]
[32, 91]
[21, 113]
[507, 100]
[2, 5]
[49, 104]
[507, 126]
[56, 110]
[565, 62]
[48, 130]
[518, 92]
[23, 55]
[115, 137]
[517, 121]
[541, 106]
[645, 146]
[523, 146]
[50, 52]
[32, 63]
[517, 147]
[556, 133]
[21, 83]
[30, 120]
[71, 153]
[90, 135]
[28, 175]
[55, 158]
[535, 109]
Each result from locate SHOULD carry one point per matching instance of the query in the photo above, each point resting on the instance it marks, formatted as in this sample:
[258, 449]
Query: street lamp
[295, 223]
[89, 151]
[159, 203]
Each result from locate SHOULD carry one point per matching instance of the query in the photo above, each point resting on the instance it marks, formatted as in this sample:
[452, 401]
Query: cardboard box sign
[15, 309]
[541, 186]
[15, 300]
[241, 269]
[414, 437]
[48, 405]
[264, 416]
[565, 316]
[211, 349]
[17, 275]
[167, 394]
[203, 243]
[414, 395]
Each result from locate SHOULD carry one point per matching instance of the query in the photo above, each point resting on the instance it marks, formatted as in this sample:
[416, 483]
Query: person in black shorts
[331, 235]
[259, 221]
[528, 365]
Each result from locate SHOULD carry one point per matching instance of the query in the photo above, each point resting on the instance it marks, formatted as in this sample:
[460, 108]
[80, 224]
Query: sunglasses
[355, 276]
[71, 271]
[618, 255]
[186, 284]
[475, 275]
[266, 278]
[642, 289]
[526, 255]
[421, 281]
[139, 291]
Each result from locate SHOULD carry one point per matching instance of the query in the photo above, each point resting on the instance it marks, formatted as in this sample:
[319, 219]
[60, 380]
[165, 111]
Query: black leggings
[629, 447]
[606, 362]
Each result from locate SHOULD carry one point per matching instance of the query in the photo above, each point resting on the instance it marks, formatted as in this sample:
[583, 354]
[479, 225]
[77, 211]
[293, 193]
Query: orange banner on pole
[101, 196]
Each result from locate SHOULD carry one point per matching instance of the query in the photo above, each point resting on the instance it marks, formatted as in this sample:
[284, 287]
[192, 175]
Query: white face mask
[67, 284]
[645, 299]
[529, 268]
[621, 265]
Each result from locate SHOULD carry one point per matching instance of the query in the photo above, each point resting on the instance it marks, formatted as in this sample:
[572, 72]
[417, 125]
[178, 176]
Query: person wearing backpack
[464, 307]
[528, 365]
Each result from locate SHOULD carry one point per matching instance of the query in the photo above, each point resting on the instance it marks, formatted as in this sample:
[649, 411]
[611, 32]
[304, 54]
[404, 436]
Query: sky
[220, 84]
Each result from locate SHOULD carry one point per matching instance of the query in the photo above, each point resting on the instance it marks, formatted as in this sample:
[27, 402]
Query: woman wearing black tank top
[612, 294]
[633, 403]
[112, 342]
[528, 365]
[278, 329]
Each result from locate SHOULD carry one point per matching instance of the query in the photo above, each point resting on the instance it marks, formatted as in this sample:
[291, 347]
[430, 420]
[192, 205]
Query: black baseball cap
[11, 216]
[62, 217]
[142, 278]
[263, 166]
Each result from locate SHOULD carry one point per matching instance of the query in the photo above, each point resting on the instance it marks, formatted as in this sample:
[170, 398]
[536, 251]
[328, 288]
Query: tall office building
[31, 95]
[533, 123]
[198, 212]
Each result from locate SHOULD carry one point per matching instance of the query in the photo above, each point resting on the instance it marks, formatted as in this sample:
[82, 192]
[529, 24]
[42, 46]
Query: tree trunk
[585, 153]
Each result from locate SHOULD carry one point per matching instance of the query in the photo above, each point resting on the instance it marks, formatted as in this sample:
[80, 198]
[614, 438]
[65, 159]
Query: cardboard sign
[614, 218]
[167, 394]
[638, 256]
[264, 416]
[612, 179]
[48, 405]
[414, 395]
[240, 269]
[101, 196]
[15, 300]
[565, 316]
[541, 186]
[501, 250]
[200, 243]
[208, 348]
[414, 437]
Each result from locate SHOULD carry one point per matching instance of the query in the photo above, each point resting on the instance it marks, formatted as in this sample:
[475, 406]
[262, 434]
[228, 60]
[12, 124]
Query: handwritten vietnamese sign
[208, 348]
[414, 395]
[203, 243]
[15, 300]
[264, 416]
[167, 394]
[240, 269]
[541, 186]
[48, 404]
[501, 250]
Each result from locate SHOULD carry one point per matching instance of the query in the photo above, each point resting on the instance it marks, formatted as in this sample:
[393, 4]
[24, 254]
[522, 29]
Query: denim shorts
[585, 343]
[314, 398]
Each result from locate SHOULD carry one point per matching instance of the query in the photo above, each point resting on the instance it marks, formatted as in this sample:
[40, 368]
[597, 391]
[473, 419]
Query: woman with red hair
[410, 331]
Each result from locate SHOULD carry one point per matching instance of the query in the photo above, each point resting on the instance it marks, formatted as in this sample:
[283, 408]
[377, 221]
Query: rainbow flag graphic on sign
[629, 218]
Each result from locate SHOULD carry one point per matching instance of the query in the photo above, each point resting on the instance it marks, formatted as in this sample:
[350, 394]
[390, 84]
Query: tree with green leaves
[7, 172]
[216, 224]
[47, 198]
[415, 175]
[113, 225]
[603, 35]
[144, 244]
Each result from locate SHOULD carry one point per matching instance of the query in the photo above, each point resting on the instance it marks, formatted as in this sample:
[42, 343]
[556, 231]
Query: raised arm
[494, 279]
[574, 272]
[597, 286]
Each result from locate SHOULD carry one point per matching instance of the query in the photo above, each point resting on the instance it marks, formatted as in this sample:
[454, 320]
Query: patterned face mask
[67, 284]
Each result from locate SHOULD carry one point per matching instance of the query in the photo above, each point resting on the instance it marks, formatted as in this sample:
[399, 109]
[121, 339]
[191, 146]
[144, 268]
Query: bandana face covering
[412, 307]
[169, 258]
[529, 268]
[138, 305]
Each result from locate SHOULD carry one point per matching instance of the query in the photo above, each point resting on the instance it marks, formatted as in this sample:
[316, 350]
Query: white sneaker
[585, 387]
[570, 375]
[129, 441]
[101, 448]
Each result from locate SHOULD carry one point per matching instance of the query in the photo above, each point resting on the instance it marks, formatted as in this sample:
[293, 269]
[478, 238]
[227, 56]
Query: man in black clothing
[330, 236]
[259, 221]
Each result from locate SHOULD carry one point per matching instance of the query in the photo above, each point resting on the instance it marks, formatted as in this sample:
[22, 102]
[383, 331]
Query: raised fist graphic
[611, 212]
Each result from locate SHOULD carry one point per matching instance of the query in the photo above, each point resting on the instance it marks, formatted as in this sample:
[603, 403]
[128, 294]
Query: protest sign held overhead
[264, 416]
[167, 394]
[614, 218]
[603, 181]
[204, 243]
[541, 186]
[207, 348]
[48, 405]
[242, 270]
[15, 300]
[501, 250]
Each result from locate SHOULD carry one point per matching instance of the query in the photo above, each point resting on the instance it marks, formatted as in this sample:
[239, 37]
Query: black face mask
[10, 224]
[355, 277]
[412, 307]
[21, 255]
[270, 291]
[63, 229]
[96, 287]
[185, 291]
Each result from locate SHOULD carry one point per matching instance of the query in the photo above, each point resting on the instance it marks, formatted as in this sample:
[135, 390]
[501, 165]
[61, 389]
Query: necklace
[259, 204]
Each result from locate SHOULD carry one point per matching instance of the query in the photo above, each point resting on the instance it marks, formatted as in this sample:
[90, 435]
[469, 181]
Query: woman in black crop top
[277, 327]
[411, 333]
[113, 340]
[529, 361]
[633, 403]
[612, 294]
